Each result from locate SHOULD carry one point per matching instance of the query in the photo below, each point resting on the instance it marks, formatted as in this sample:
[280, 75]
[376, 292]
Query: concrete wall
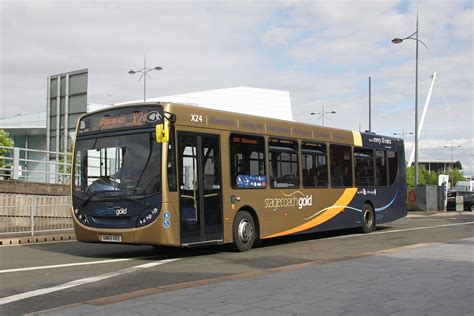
[23, 213]
[21, 187]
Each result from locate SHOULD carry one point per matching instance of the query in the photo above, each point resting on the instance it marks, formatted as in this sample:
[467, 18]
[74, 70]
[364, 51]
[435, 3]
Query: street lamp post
[398, 41]
[144, 71]
[322, 114]
[403, 133]
[452, 153]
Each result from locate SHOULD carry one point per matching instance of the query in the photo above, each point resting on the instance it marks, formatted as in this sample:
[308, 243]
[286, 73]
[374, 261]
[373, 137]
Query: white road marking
[65, 265]
[22, 296]
[403, 230]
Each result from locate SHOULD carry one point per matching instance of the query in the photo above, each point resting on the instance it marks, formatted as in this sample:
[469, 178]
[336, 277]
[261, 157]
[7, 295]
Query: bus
[179, 175]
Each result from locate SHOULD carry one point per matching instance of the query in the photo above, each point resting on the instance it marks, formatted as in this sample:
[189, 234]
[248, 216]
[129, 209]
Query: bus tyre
[368, 219]
[243, 231]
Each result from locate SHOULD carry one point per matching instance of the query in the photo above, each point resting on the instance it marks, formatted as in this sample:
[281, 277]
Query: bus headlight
[147, 217]
[81, 217]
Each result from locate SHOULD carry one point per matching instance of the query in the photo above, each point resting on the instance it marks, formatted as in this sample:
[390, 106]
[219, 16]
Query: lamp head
[397, 40]
[158, 68]
[131, 71]
[312, 113]
[333, 112]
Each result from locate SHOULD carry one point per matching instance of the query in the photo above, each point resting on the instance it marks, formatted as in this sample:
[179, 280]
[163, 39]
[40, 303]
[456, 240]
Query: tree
[6, 141]
[411, 177]
[457, 165]
[431, 178]
[455, 176]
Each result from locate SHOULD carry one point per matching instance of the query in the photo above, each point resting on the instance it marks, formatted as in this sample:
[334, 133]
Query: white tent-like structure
[245, 100]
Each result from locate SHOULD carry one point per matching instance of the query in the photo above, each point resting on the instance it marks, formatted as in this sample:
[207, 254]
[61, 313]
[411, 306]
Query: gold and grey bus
[178, 175]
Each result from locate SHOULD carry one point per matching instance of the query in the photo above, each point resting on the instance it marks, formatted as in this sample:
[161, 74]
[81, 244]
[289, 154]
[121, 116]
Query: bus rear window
[392, 158]
[380, 168]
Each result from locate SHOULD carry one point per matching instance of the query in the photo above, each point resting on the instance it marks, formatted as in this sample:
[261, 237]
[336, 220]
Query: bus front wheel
[368, 219]
[243, 231]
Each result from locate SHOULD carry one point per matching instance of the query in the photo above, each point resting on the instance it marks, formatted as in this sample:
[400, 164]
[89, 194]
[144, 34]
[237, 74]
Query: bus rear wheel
[243, 231]
[368, 219]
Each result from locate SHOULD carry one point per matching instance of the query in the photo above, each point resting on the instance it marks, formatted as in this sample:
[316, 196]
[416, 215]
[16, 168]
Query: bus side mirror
[162, 133]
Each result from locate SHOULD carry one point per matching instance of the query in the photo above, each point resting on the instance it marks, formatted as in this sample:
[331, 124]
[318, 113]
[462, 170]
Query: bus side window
[380, 168]
[364, 167]
[172, 161]
[315, 166]
[341, 166]
[283, 159]
[392, 159]
[247, 161]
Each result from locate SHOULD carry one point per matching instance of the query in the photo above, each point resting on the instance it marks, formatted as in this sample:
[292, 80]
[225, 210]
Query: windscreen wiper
[124, 197]
[86, 200]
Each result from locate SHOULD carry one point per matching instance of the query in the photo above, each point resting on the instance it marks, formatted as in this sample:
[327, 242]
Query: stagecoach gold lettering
[303, 133]
[277, 129]
[289, 201]
[322, 135]
[252, 126]
[217, 121]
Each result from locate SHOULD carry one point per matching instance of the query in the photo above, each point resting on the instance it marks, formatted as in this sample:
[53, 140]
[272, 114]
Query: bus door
[200, 194]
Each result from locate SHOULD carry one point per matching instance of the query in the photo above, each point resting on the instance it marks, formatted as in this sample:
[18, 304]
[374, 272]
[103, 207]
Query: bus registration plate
[111, 238]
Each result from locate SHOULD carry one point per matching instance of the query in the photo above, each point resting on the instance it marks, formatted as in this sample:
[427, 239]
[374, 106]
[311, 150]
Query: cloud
[321, 51]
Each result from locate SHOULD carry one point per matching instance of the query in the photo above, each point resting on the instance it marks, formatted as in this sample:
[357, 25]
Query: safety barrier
[34, 165]
[31, 214]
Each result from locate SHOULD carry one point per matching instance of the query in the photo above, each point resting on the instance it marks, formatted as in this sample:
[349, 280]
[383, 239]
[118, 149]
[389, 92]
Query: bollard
[16, 163]
[32, 214]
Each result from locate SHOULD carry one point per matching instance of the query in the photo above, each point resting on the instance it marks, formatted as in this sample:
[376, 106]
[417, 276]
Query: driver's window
[94, 169]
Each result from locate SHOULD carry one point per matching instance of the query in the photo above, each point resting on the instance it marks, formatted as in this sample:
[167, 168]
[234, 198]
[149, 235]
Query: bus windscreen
[127, 165]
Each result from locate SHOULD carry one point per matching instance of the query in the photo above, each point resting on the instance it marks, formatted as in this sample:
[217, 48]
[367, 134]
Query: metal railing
[34, 165]
[31, 214]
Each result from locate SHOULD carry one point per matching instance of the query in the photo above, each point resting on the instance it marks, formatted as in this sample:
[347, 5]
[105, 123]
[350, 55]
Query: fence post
[32, 214]
[16, 163]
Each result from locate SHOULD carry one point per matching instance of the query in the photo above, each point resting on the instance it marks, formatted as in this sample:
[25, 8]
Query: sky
[322, 52]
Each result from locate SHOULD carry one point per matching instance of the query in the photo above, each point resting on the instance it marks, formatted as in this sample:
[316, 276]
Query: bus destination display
[120, 119]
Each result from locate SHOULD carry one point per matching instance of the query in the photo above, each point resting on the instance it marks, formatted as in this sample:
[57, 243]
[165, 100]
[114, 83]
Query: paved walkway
[428, 279]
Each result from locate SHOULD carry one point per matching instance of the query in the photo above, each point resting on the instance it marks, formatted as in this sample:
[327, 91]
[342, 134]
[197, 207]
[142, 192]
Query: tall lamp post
[322, 114]
[452, 153]
[398, 41]
[403, 133]
[144, 71]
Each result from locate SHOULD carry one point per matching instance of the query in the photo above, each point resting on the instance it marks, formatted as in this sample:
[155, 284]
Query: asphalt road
[83, 272]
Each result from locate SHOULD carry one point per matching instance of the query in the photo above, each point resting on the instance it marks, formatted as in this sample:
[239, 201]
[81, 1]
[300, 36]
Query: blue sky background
[321, 51]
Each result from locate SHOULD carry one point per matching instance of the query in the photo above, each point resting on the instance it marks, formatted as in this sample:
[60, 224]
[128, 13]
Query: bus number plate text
[111, 238]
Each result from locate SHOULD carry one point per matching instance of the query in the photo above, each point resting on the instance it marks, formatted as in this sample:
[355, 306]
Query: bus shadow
[314, 236]
[142, 252]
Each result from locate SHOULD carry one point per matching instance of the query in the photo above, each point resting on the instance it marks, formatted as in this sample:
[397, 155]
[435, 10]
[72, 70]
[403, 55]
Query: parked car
[468, 200]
